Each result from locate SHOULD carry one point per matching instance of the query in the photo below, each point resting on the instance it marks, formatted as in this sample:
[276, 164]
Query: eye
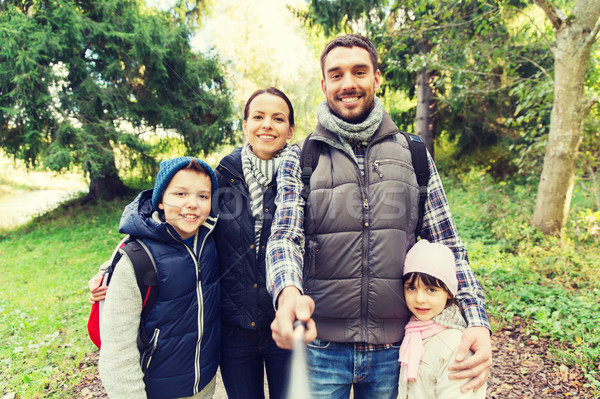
[279, 119]
[257, 117]
[409, 288]
[432, 290]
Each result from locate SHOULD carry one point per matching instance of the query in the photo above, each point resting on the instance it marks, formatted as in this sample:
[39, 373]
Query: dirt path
[523, 369]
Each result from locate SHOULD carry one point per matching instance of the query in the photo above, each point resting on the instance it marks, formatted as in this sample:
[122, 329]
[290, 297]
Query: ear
[378, 80]
[245, 128]
[291, 132]
[323, 86]
[161, 206]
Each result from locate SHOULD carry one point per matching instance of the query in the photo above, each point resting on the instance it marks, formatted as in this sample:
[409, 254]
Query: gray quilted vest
[357, 231]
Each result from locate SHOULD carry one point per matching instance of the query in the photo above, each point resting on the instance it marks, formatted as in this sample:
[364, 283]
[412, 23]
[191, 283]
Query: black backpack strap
[309, 158]
[418, 153]
[145, 273]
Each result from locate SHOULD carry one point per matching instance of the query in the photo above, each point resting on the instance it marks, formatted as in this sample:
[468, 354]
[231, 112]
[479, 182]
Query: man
[342, 257]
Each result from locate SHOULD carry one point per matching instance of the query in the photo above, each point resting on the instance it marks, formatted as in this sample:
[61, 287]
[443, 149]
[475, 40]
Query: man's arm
[438, 226]
[284, 258]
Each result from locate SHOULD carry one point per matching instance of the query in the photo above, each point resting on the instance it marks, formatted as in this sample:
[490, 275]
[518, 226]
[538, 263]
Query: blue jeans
[333, 368]
[244, 356]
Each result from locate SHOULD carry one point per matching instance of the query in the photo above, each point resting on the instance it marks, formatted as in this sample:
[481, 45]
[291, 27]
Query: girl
[433, 334]
[247, 188]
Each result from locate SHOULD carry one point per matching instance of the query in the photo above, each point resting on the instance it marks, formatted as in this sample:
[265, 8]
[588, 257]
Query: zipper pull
[365, 204]
[376, 168]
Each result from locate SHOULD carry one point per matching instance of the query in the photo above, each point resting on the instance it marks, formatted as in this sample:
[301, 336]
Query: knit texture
[436, 260]
[258, 174]
[168, 169]
[349, 132]
[411, 350]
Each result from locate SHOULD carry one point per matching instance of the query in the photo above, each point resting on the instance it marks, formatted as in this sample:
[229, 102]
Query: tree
[451, 56]
[267, 46]
[575, 35]
[80, 79]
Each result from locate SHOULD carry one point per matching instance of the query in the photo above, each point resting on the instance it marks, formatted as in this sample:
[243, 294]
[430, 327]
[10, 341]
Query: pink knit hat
[436, 260]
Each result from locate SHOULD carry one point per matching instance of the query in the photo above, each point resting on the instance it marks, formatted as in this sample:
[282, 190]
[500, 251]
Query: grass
[43, 309]
[552, 283]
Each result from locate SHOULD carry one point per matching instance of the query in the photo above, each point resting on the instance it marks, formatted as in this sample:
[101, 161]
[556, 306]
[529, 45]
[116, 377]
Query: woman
[247, 189]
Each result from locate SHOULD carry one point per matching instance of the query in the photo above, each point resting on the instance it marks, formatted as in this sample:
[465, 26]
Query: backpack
[147, 280]
[311, 150]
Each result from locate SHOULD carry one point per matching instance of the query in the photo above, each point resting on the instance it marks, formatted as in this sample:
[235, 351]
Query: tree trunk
[107, 187]
[424, 121]
[571, 59]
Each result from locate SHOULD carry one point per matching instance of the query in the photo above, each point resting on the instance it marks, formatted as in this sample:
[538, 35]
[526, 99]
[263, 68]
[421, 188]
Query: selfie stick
[298, 379]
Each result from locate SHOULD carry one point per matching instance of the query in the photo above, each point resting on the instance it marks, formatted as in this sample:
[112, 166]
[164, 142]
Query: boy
[174, 221]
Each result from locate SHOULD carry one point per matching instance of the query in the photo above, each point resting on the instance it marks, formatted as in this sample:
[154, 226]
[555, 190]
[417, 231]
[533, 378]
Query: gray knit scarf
[258, 173]
[451, 317]
[349, 132]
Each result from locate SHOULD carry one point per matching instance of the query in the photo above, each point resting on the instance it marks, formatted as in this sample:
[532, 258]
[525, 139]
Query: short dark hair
[350, 40]
[428, 280]
[195, 167]
[274, 91]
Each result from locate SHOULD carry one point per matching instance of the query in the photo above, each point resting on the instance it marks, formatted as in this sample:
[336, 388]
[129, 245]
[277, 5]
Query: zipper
[376, 165]
[365, 266]
[150, 351]
[200, 299]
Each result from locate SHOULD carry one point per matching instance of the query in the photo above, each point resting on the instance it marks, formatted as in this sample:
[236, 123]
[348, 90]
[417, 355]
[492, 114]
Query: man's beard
[354, 119]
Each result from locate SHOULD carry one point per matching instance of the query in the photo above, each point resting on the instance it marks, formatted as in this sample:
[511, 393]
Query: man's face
[350, 83]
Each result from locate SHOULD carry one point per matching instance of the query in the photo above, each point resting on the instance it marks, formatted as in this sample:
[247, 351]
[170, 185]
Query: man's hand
[97, 292]
[292, 306]
[476, 367]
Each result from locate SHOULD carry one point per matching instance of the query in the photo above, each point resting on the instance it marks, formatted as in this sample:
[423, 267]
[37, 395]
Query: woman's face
[267, 127]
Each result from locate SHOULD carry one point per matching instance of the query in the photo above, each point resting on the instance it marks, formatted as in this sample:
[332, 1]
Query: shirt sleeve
[119, 364]
[285, 248]
[438, 226]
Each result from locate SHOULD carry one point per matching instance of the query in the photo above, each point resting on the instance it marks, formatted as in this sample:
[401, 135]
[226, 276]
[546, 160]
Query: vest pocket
[379, 165]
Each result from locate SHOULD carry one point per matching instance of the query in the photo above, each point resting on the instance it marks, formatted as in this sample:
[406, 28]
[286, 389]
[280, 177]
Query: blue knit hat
[168, 169]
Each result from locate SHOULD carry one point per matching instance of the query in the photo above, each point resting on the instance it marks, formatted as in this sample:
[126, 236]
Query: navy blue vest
[245, 301]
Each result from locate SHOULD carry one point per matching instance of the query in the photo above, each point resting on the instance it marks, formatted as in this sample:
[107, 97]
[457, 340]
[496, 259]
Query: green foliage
[79, 79]
[551, 284]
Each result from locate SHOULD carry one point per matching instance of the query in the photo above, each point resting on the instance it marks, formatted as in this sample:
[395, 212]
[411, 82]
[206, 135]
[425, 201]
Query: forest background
[505, 94]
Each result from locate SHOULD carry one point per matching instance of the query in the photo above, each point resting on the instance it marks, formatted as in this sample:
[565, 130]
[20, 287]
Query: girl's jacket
[184, 324]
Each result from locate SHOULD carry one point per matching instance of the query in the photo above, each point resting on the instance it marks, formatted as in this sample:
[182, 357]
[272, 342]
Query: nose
[192, 202]
[267, 124]
[348, 81]
[420, 296]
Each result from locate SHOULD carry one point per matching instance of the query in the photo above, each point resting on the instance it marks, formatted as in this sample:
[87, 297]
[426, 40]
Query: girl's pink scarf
[411, 349]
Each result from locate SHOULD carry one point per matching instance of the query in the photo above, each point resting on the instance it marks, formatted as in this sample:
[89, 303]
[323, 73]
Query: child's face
[187, 202]
[424, 301]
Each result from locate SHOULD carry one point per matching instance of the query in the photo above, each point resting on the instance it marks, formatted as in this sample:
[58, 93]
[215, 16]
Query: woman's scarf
[349, 132]
[258, 173]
